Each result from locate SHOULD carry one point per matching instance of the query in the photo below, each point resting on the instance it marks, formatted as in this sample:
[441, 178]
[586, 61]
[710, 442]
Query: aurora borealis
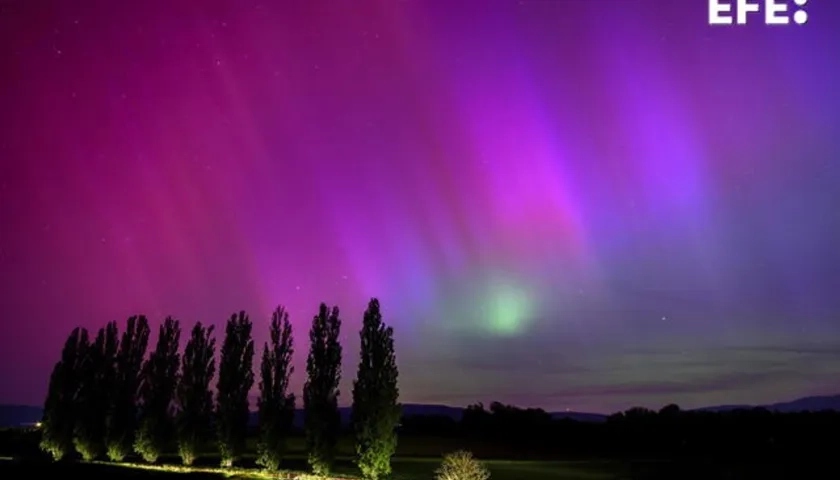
[567, 204]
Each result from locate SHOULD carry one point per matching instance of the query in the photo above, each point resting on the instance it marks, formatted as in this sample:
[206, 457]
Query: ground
[410, 469]
[417, 458]
[423, 468]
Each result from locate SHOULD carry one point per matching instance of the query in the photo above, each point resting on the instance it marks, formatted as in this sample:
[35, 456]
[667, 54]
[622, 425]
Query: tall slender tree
[96, 390]
[236, 377]
[193, 397]
[376, 412]
[58, 421]
[122, 419]
[276, 403]
[320, 393]
[157, 392]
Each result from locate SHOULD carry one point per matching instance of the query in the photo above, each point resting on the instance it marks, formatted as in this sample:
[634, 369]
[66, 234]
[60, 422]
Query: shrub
[188, 452]
[461, 465]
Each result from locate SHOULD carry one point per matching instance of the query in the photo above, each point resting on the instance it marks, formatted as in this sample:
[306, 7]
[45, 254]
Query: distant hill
[813, 404]
[722, 408]
[827, 402]
[579, 416]
[21, 415]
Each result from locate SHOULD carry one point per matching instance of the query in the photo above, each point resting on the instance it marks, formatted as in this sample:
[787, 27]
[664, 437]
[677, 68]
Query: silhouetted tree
[122, 419]
[276, 404]
[157, 392]
[193, 396]
[320, 393]
[96, 392]
[236, 377]
[476, 419]
[376, 412]
[58, 421]
[670, 411]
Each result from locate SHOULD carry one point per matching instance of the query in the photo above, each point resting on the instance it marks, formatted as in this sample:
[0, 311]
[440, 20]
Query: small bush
[55, 449]
[145, 444]
[118, 451]
[88, 451]
[461, 465]
[188, 452]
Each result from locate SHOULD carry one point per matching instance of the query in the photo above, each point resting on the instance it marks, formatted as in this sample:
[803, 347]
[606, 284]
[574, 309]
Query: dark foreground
[417, 469]
[419, 456]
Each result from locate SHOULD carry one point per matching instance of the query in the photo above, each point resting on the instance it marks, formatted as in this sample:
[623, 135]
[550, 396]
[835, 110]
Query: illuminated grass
[410, 469]
[226, 472]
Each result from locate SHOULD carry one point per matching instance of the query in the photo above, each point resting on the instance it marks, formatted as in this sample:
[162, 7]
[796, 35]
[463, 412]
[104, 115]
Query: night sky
[582, 204]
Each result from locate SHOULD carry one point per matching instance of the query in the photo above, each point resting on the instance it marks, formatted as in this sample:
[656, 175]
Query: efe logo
[774, 12]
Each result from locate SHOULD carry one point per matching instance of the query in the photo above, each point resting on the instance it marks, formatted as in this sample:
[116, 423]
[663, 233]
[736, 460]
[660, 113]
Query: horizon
[299, 407]
[585, 205]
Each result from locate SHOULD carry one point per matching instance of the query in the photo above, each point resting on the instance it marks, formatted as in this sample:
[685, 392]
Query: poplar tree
[96, 392]
[194, 401]
[376, 412]
[276, 403]
[122, 419]
[157, 392]
[58, 422]
[320, 393]
[236, 377]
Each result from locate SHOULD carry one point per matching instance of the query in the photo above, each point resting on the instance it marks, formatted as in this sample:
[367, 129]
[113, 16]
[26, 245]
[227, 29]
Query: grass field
[417, 459]
[423, 468]
[410, 469]
[407, 469]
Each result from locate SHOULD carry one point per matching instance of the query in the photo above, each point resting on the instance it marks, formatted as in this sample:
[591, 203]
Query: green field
[405, 469]
[423, 468]
[418, 468]
[417, 459]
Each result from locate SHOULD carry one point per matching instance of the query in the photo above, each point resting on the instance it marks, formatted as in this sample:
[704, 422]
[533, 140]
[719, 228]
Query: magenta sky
[569, 204]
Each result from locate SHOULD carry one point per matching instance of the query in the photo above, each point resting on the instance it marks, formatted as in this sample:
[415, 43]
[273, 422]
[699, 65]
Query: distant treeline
[638, 433]
[108, 398]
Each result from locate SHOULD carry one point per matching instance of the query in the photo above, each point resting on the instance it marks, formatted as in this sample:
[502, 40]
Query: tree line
[749, 434]
[107, 398]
